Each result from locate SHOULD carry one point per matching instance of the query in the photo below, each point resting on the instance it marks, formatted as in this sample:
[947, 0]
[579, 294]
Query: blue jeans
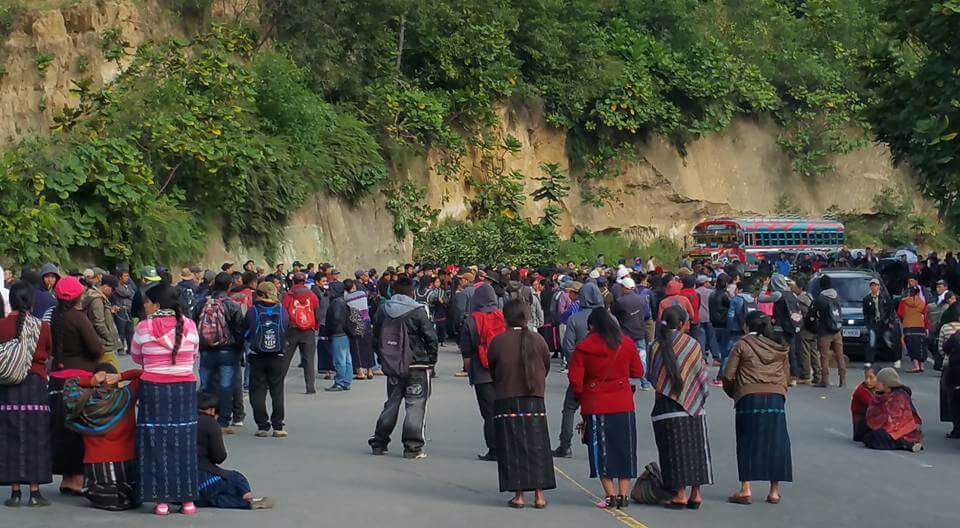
[342, 363]
[711, 337]
[224, 363]
[642, 349]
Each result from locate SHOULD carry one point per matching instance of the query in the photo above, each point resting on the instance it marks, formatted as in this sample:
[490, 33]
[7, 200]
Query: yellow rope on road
[616, 514]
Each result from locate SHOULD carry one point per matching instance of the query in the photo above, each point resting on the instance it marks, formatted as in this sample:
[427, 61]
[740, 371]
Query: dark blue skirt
[167, 442]
[25, 433]
[223, 490]
[612, 445]
[763, 444]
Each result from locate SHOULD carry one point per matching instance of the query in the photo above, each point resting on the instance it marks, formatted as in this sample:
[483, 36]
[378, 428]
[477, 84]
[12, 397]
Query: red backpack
[489, 325]
[301, 314]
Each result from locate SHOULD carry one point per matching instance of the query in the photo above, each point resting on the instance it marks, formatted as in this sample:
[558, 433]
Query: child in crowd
[105, 415]
[862, 397]
[219, 488]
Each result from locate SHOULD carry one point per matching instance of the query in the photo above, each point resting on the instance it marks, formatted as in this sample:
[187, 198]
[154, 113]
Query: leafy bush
[493, 241]
[584, 247]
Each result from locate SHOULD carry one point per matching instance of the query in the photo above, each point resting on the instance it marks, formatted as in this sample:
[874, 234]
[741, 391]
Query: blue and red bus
[749, 239]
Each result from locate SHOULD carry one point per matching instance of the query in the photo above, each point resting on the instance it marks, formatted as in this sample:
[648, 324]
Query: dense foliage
[190, 133]
[492, 241]
[917, 110]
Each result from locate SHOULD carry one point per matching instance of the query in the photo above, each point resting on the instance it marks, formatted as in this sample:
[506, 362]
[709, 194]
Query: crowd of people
[154, 434]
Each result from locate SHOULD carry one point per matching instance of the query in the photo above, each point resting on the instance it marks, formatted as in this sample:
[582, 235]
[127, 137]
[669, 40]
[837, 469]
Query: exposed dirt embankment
[741, 170]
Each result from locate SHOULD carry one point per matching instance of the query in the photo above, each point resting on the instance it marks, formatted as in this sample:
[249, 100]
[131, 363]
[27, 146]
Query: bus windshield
[713, 237]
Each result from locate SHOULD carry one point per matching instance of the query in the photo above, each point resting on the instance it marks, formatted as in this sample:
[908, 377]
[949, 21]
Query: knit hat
[267, 291]
[68, 289]
[889, 377]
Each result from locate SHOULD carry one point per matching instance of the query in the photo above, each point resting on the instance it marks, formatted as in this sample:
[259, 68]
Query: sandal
[607, 503]
[671, 505]
[739, 499]
[161, 509]
[773, 500]
[694, 505]
[188, 508]
[540, 505]
[516, 505]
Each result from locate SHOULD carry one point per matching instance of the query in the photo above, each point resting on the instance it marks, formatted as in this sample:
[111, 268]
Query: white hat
[628, 283]
[595, 274]
[621, 273]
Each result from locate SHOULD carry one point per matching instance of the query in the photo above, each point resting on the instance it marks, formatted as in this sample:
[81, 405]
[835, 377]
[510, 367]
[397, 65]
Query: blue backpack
[268, 337]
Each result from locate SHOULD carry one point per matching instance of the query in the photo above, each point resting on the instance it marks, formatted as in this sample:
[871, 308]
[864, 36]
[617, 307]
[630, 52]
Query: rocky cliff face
[739, 171]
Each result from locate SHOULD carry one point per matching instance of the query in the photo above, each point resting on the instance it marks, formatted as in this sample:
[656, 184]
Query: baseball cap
[622, 273]
[88, 273]
[628, 283]
[149, 274]
[875, 281]
[574, 286]
[702, 279]
[299, 277]
[267, 291]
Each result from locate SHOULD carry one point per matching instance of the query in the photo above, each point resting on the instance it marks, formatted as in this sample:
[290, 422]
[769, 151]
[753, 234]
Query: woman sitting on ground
[679, 375]
[519, 363]
[862, 397]
[600, 370]
[892, 418]
[219, 488]
[756, 376]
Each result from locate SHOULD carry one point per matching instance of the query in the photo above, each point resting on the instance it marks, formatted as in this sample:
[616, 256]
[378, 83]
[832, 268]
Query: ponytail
[667, 333]
[178, 334]
[516, 314]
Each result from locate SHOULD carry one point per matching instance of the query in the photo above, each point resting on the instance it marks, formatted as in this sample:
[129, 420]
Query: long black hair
[759, 323]
[167, 298]
[516, 314]
[21, 301]
[670, 323]
[601, 322]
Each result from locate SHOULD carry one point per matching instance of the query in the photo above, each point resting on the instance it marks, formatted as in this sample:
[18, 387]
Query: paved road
[322, 475]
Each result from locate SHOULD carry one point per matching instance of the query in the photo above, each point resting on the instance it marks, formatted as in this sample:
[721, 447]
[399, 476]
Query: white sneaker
[867, 365]
[896, 364]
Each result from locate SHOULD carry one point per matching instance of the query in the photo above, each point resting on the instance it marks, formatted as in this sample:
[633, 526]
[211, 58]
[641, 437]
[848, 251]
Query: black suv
[852, 286]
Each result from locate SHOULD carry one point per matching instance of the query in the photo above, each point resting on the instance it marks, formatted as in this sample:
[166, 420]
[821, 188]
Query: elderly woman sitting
[892, 419]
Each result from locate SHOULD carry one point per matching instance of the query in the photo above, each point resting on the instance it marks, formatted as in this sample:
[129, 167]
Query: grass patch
[584, 247]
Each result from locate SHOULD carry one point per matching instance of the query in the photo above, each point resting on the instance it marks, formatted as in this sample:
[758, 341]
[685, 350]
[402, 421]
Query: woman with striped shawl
[679, 377]
[756, 376]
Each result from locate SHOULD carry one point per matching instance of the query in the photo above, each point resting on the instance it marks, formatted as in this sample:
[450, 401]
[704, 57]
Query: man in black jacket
[220, 359]
[413, 389]
[336, 331]
[877, 314]
[828, 315]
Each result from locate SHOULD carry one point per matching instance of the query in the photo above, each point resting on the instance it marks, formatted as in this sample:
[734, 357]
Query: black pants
[441, 326]
[933, 345]
[793, 341]
[267, 373]
[570, 406]
[306, 342]
[414, 391]
[238, 411]
[485, 398]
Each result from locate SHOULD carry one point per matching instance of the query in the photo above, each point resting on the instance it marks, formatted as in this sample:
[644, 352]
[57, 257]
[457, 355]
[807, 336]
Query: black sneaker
[414, 455]
[491, 456]
[37, 501]
[337, 388]
[562, 452]
[379, 451]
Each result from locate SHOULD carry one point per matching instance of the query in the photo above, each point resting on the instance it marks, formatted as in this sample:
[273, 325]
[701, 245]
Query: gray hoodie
[398, 305]
[590, 298]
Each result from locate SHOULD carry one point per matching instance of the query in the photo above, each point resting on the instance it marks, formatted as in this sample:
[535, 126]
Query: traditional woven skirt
[524, 459]
[612, 445]
[25, 433]
[223, 490]
[361, 350]
[915, 339]
[67, 445]
[166, 448]
[110, 485]
[683, 445]
[880, 439]
[763, 444]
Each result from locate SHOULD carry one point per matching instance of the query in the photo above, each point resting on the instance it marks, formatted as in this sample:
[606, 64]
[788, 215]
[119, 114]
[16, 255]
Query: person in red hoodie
[689, 290]
[303, 307]
[675, 297]
[862, 397]
[600, 370]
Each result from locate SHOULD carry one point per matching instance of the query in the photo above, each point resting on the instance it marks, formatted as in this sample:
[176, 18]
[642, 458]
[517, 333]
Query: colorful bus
[750, 239]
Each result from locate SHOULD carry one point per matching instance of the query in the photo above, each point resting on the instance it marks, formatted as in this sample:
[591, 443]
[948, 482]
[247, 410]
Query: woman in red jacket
[600, 369]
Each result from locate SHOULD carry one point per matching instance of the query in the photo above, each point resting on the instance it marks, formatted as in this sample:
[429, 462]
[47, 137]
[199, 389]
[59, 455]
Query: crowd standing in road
[155, 434]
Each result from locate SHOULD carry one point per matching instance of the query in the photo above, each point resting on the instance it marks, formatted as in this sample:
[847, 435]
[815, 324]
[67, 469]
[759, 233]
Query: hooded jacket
[785, 304]
[484, 301]
[302, 293]
[98, 310]
[123, 298]
[675, 297]
[719, 304]
[821, 311]
[590, 299]
[633, 312]
[756, 365]
[599, 376]
[420, 329]
[912, 312]
[337, 312]
[153, 344]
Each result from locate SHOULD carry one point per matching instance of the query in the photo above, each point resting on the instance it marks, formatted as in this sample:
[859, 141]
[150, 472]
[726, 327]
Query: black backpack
[268, 337]
[187, 298]
[834, 320]
[396, 350]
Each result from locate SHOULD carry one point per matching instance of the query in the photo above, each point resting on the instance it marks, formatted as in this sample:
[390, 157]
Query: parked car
[852, 286]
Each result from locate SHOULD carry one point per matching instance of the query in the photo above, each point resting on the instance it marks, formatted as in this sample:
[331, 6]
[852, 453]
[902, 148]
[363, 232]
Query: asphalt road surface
[323, 474]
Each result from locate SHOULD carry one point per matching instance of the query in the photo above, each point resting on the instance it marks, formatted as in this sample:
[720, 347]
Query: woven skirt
[916, 342]
[223, 490]
[110, 485]
[524, 459]
[612, 445]
[67, 446]
[166, 447]
[683, 445]
[763, 444]
[25, 433]
[361, 350]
